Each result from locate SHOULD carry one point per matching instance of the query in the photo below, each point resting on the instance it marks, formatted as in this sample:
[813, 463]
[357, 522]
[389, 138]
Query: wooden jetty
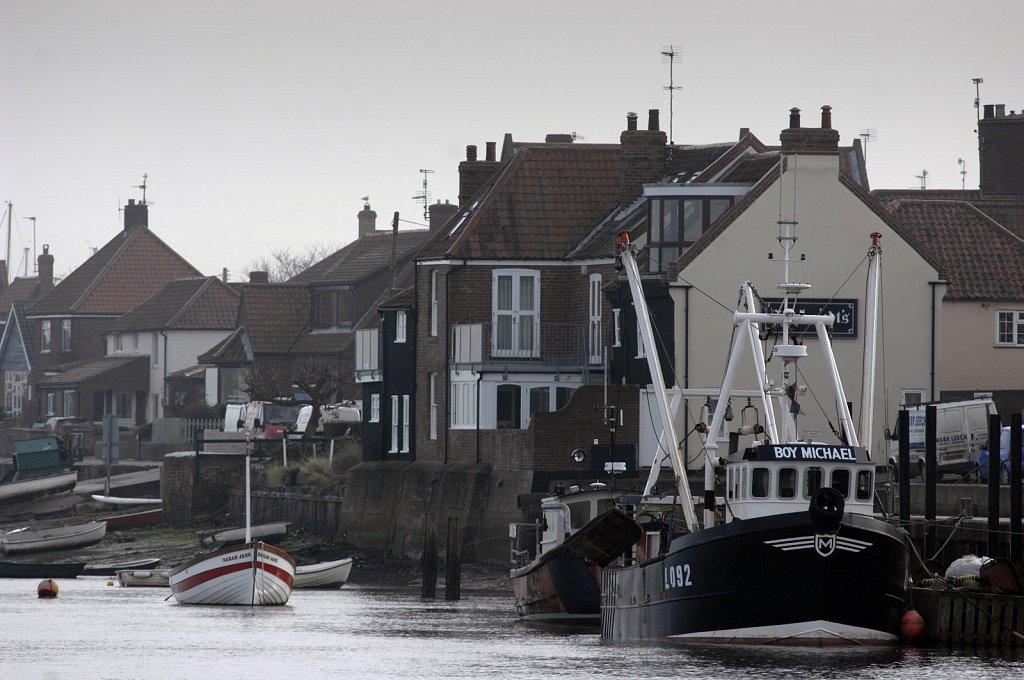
[967, 617]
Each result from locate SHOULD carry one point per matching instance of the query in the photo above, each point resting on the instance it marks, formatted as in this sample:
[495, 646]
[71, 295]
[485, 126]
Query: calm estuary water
[98, 631]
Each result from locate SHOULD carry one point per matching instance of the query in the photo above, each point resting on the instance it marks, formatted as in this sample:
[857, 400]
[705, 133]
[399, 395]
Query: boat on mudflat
[269, 531]
[42, 466]
[323, 574]
[41, 570]
[130, 520]
[795, 556]
[144, 578]
[111, 569]
[120, 500]
[28, 539]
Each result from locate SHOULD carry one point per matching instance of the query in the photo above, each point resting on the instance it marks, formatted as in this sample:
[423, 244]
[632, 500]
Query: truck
[961, 430]
[268, 420]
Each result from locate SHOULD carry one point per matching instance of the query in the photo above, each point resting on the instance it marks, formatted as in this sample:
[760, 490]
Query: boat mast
[626, 258]
[867, 404]
[248, 498]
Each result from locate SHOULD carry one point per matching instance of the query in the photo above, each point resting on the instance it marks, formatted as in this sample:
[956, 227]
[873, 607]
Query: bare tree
[282, 264]
[313, 381]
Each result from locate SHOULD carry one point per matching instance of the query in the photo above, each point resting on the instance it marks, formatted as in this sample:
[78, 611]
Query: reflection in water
[94, 630]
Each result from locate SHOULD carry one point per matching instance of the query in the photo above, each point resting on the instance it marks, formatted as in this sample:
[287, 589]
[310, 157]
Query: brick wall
[1002, 154]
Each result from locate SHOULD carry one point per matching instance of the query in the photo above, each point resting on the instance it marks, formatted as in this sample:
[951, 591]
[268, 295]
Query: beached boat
[253, 573]
[33, 570]
[118, 500]
[552, 582]
[41, 466]
[135, 519]
[323, 574]
[112, 569]
[225, 537]
[795, 554]
[29, 540]
[144, 578]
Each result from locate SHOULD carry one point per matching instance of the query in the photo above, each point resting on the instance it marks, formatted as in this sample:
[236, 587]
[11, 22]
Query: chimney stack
[135, 215]
[259, 277]
[474, 174]
[642, 157]
[45, 262]
[1001, 155]
[440, 213]
[367, 220]
[810, 141]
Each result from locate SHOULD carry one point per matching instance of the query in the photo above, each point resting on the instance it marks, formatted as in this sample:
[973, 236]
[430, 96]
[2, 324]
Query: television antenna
[424, 195]
[924, 179]
[963, 173]
[145, 177]
[868, 135]
[35, 264]
[670, 54]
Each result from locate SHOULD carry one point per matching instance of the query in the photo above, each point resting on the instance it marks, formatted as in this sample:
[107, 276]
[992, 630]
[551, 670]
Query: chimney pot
[744, 132]
[652, 120]
[491, 153]
[631, 120]
[826, 117]
[1000, 110]
[471, 152]
[259, 277]
[45, 264]
[794, 117]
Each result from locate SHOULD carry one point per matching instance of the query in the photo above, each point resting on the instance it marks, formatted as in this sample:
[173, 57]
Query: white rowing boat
[117, 500]
[153, 578]
[58, 538]
[323, 575]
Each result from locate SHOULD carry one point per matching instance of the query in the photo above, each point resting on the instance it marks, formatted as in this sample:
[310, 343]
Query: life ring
[826, 509]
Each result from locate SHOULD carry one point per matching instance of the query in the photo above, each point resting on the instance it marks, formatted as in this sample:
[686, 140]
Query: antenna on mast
[670, 54]
[924, 179]
[868, 135]
[35, 263]
[425, 195]
[963, 173]
[145, 176]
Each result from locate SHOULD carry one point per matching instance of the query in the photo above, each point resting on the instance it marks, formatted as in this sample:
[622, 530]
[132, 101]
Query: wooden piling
[452, 562]
[971, 618]
[429, 586]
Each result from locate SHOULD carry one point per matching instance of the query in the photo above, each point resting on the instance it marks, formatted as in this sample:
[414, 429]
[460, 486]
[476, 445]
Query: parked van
[961, 430]
[267, 420]
[346, 412]
[234, 416]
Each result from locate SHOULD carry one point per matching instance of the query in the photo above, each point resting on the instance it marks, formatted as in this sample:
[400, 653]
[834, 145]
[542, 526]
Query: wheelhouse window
[865, 485]
[787, 483]
[841, 481]
[812, 481]
[760, 482]
[1010, 328]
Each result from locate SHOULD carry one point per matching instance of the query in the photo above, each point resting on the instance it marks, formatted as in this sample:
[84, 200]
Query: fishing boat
[144, 578]
[41, 466]
[28, 539]
[251, 574]
[792, 554]
[41, 570]
[323, 574]
[552, 581]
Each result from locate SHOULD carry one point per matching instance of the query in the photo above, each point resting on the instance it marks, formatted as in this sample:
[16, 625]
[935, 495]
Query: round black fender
[826, 509]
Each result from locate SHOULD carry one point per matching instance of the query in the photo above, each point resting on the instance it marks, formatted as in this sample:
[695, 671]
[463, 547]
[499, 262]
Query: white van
[347, 412]
[961, 430]
[234, 414]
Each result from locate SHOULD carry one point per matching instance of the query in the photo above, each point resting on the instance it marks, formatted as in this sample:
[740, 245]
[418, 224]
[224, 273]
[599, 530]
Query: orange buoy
[47, 588]
[912, 624]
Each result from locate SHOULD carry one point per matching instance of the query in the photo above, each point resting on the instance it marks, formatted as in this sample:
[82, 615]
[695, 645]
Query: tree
[282, 264]
[312, 382]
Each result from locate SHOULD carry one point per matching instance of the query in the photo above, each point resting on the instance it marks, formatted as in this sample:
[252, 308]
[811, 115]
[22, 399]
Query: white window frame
[464, 386]
[65, 335]
[15, 389]
[616, 327]
[521, 315]
[374, 408]
[394, 424]
[433, 303]
[400, 326]
[367, 357]
[156, 350]
[69, 403]
[118, 343]
[433, 406]
[51, 403]
[913, 397]
[44, 336]
[406, 429]
[467, 343]
[1014, 328]
[594, 336]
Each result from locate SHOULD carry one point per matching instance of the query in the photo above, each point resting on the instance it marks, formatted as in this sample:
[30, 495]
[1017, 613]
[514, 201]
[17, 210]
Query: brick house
[70, 373]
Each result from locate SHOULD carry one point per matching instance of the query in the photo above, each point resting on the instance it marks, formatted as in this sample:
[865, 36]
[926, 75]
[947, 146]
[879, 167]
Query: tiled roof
[980, 259]
[1006, 210]
[230, 350]
[130, 268]
[20, 289]
[275, 315]
[76, 371]
[185, 304]
[686, 163]
[363, 258]
[540, 205]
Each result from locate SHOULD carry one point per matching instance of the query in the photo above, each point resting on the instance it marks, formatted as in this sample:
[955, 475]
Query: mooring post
[994, 464]
[904, 465]
[452, 562]
[429, 586]
[1016, 422]
[931, 478]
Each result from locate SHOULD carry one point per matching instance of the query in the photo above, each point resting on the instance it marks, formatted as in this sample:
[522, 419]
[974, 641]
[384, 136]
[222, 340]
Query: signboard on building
[844, 310]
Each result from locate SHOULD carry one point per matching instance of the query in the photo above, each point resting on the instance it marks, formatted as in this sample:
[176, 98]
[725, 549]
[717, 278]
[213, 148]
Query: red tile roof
[185, 304]
[363, 258]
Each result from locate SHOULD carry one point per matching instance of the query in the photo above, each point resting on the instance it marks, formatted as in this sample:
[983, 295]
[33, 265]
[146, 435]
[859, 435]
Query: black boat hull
[769, 580]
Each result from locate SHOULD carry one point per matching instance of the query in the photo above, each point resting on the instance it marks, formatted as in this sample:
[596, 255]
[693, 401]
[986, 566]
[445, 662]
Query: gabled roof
[980, 259]
[539, 206]
[363, 258]
[130, 268]
[275, 314]
[20, 289]
[74, 372]
[184, 304]
[1006, 210]
[16, 337]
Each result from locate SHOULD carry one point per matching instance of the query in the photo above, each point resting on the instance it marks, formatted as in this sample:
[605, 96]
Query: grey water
[97, 630]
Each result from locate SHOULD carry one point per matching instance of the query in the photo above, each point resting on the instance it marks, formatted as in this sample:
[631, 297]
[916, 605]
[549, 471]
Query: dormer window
[679, 214]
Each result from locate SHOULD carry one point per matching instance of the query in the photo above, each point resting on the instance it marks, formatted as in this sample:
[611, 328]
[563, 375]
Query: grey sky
[263, 123]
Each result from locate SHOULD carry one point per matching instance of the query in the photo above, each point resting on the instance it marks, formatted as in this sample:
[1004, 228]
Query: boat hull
[560, 586]
[59, 538]
[152, 578]
[251, 574]
[32, 487]
[323, 575]
[29, 570]
[769, 580]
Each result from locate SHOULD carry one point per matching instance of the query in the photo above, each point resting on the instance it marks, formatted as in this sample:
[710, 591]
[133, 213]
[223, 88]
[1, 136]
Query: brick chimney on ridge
[45, 262]
[367, 220]
[643, 155]
[440, 213]
[810, 141]
[1001, 139]
[474, 174]
[136, 215]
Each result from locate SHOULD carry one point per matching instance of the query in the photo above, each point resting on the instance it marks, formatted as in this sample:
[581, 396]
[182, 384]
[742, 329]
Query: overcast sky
[262, 123]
